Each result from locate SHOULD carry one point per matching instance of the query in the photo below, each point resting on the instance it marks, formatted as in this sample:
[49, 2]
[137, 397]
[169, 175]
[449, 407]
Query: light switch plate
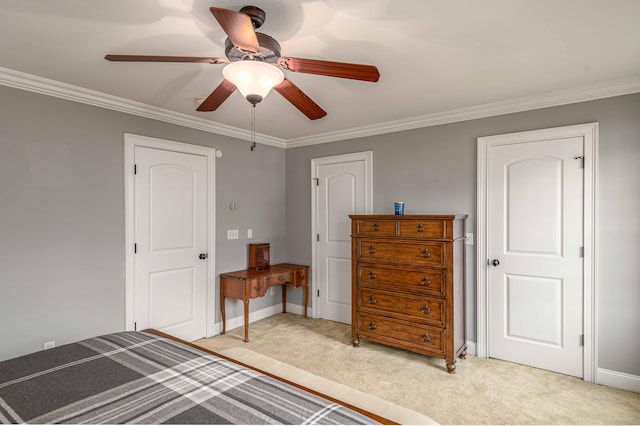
[233, 234]
[249, 233]
[469, 238]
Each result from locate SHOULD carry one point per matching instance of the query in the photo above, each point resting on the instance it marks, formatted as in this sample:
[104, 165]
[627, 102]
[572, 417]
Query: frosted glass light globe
[253, 77]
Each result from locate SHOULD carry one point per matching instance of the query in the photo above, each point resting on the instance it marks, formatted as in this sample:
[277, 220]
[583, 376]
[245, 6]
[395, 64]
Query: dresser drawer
[419, 337]
[417, 253]
[423, 229]
[411, 308]
[418, 280]
[381, 228]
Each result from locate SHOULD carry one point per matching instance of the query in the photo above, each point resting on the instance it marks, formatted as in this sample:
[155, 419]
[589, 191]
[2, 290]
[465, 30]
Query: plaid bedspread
[136, 377]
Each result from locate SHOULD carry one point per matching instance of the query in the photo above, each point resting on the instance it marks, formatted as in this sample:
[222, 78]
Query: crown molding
[32, 83]
[57, 89]
[526, 103]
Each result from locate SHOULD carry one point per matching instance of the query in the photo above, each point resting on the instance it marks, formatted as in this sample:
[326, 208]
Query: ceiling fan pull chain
[253, 127]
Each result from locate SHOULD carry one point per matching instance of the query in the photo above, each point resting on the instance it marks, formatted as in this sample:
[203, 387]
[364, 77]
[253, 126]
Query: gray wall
[62, 201]
[433, 170]
[62, 215]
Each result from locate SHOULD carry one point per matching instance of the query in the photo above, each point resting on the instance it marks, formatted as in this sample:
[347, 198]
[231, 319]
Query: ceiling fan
[246, 48]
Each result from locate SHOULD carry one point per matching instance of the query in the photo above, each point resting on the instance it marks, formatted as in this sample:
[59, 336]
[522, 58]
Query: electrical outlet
[49, 345]
[233, 234]
[470, 239]
[272, 291]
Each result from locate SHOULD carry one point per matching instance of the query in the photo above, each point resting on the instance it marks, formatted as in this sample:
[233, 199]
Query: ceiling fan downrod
[256, 14]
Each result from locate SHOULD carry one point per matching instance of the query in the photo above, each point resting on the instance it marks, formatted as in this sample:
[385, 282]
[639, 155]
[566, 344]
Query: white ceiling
[439, 60]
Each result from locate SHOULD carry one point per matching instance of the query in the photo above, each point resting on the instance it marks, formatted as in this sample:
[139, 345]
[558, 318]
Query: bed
[151, 378]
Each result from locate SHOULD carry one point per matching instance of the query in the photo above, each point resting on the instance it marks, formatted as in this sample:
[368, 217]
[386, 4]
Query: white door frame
[589, 133]
[367, 157]
[130, 142]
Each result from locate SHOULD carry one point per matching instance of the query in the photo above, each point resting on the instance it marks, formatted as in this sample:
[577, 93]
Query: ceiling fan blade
[152, 58]
[238, 27]
[217, 97]
[330, 68]
[300, 100]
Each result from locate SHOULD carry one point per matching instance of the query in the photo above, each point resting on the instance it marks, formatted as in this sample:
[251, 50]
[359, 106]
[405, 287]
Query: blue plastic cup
[399, 207]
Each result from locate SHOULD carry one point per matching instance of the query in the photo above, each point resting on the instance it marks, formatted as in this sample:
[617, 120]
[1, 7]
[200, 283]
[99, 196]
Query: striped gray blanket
[136, 377]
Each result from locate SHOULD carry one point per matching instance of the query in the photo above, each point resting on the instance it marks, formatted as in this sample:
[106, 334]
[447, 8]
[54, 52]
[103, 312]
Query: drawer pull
[425, 253]
[372, 249]
[372, 326]
[426, 338]
[258, 288]
[376, 227]
[420, 228]
[426, 309]
[300, 277]
[282, 279]
[426, 282]
[372, 300]
[372, 275]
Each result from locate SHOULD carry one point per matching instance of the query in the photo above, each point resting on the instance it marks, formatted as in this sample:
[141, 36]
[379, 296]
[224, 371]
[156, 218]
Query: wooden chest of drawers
[408, 284]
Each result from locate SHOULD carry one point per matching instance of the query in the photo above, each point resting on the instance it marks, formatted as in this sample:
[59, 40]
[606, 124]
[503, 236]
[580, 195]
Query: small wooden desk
[247, 284]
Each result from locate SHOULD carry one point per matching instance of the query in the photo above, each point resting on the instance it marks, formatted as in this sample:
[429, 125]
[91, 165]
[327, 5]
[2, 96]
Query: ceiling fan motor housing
[269, 50]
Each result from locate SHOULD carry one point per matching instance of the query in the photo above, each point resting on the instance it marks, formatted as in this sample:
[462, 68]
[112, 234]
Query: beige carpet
[347, 394]
[483, 391]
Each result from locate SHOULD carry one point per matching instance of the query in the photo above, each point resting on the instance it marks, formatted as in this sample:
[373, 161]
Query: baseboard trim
[616, 379]
[258, 315]
[610, 378]
[471, 348]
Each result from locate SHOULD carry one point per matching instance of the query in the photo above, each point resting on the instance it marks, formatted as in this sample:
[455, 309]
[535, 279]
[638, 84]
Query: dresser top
[409, 216]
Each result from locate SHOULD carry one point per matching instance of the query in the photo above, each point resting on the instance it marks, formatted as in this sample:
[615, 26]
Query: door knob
[495, 262]
[203, 256]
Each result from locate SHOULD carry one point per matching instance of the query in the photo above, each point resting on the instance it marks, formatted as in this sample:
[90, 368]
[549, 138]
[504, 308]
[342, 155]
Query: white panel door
[171, 242]
[341, 191]
[534, 241]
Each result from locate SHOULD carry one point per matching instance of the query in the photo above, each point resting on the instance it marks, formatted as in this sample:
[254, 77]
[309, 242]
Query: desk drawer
[300, 277]
[257, 288]
[281, 278]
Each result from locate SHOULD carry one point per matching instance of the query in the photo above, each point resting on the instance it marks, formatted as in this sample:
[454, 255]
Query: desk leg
[306, 299]
[246, 320]
[284, 299]
[224, 316]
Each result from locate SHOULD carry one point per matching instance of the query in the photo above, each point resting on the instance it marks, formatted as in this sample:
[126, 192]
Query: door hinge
[318, 237]
[318, 293]
[582, 340]
[135, 248]
[582, 251]
[135, 169]
[135, 326]
[581, 161]
[317, 181]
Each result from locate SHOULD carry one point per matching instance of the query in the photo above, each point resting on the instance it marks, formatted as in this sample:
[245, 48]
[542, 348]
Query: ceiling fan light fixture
[254, 79]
